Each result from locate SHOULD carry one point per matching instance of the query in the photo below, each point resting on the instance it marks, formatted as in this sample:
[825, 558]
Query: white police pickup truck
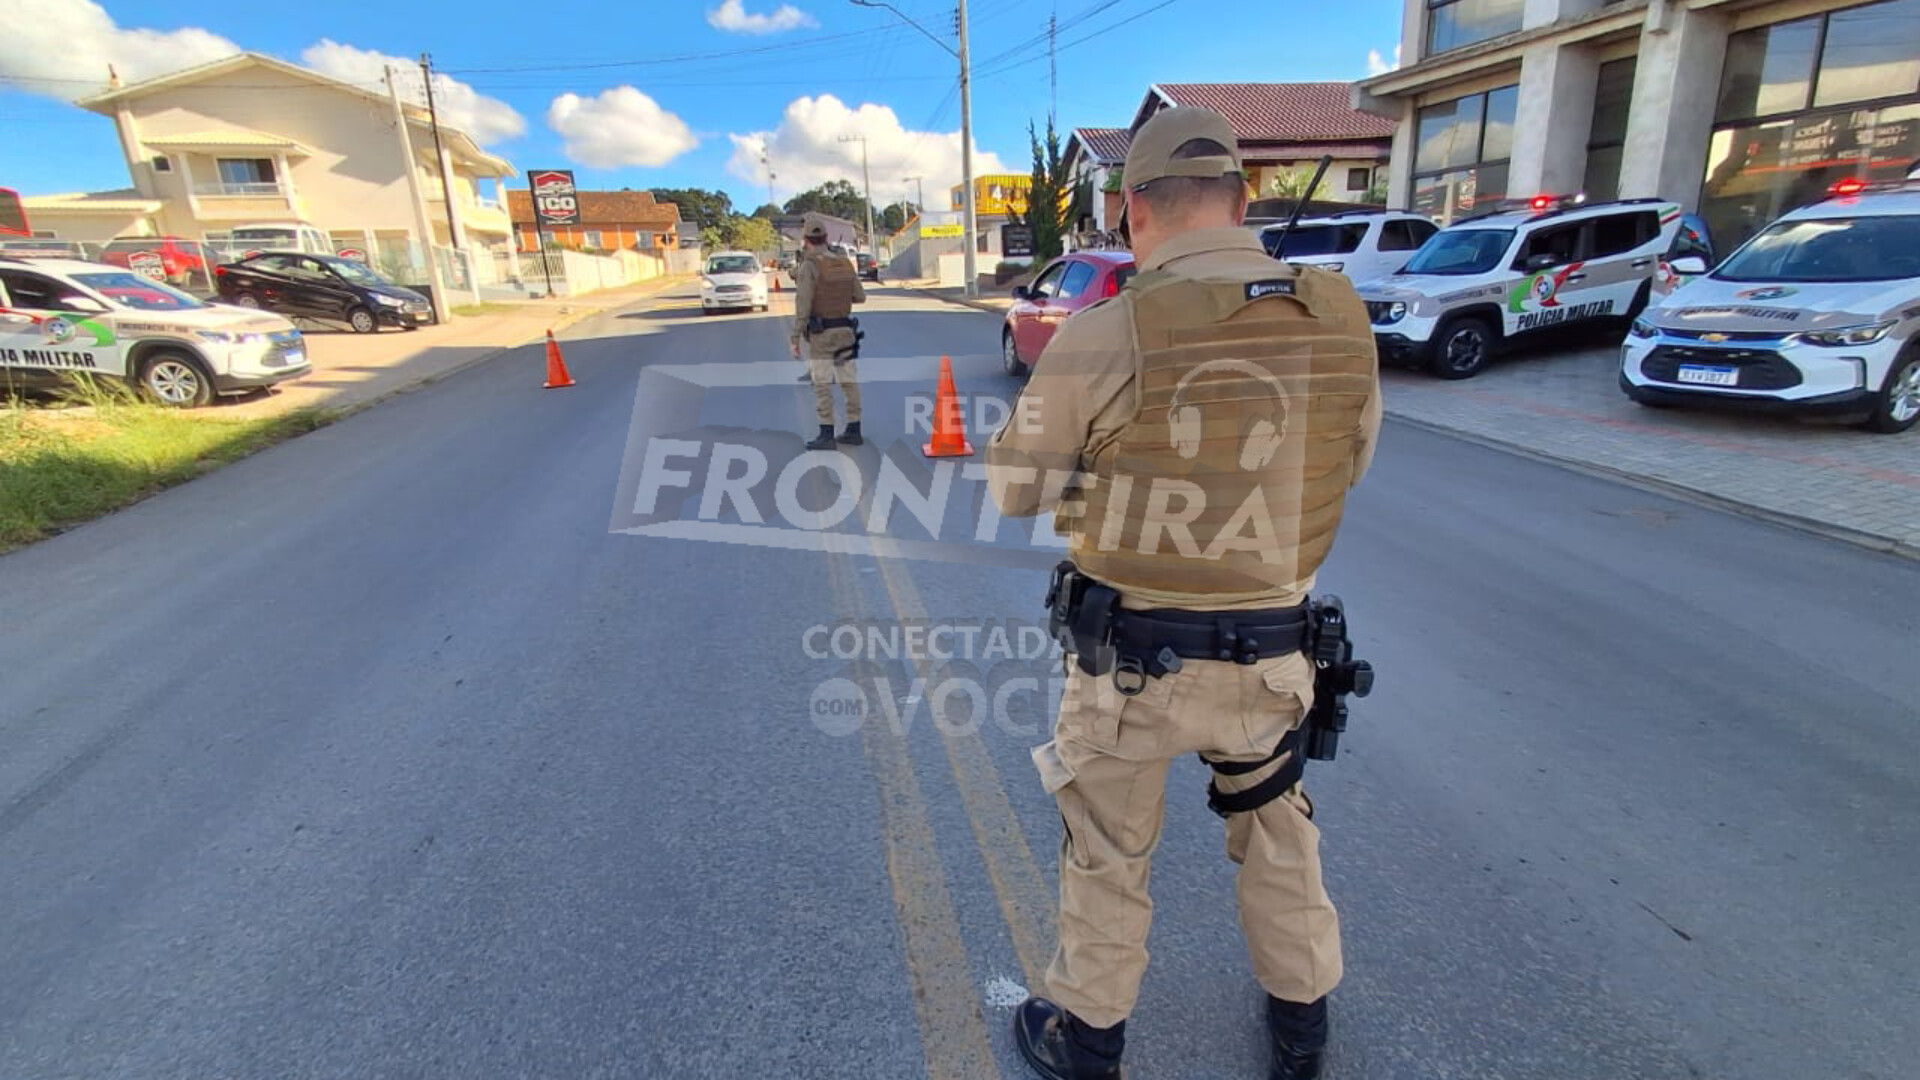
[1819, 313]
[1551, 264]
[62, 316]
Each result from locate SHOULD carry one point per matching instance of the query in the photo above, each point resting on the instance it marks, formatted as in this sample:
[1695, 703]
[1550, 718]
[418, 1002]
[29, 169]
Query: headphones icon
[1185, 421]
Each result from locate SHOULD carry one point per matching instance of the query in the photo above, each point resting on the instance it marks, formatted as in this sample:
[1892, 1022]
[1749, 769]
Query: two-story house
[1283, 129]
[1741, 109]
[255, 140]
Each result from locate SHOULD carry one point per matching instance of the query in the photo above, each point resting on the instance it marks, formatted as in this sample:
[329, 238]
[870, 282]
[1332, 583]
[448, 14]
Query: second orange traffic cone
[556, 367]
[949, 425]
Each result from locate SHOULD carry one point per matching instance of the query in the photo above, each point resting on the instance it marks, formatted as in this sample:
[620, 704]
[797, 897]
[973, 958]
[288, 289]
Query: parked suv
[1362, 244]
[1819, 313]
[1488, 280]
[321, 287]
[60, 316]
[175, 260]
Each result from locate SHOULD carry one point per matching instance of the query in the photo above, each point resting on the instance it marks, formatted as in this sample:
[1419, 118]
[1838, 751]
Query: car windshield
[1308, 240]
[733, 264]
[1830, 249]
[137, 292]
[1460, 251]
[356, 273]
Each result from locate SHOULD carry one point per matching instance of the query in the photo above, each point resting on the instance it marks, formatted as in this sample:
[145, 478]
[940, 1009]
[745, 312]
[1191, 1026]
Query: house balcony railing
[217, 188]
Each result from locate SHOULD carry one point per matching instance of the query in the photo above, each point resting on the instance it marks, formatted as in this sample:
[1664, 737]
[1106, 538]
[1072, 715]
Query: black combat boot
[851, 436]
[824, 440]
[1299, 1037]
[1060, 1046]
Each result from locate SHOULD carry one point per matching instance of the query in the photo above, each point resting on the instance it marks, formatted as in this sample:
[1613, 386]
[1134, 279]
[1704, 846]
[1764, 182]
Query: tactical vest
[833, 280]
[1230, 478]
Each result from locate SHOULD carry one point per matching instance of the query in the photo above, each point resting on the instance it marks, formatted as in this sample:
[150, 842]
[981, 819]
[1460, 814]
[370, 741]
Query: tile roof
[606, 208]
[1261, 153]
[1264, 112]
[1105, 144]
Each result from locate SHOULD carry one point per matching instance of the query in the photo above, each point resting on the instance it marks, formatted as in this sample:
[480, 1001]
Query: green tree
[755, 234]
[835, 197]
[707, 209]
[1291, 184]
[767, 210]
[1047, 196]
[894, 217]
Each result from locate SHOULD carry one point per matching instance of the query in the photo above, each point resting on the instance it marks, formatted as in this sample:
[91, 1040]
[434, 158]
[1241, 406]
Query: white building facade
[1740, 111]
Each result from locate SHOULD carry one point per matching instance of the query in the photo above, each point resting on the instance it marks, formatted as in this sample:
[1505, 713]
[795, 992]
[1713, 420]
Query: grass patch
[61, 467]
[488, 308]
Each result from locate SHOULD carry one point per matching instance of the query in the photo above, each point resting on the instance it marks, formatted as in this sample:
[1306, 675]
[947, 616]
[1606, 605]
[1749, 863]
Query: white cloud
[1378, 65]
[487, 119]
[806, 152]
[620, 127]
[64, 46]
[732, 17]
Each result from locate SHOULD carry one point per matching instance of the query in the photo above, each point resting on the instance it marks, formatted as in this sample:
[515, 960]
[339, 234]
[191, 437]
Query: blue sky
[642, 117]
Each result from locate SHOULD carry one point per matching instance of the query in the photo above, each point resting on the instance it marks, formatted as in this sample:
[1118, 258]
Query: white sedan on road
[733, 279]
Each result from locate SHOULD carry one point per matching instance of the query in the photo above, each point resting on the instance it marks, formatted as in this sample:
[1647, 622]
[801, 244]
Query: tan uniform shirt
[1080, 396]
[805, 276]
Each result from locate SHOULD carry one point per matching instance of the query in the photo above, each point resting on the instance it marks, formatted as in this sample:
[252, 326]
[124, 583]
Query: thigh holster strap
[1264, 792]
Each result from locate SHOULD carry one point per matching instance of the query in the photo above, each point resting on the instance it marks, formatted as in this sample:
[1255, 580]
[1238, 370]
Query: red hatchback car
[1068, 284]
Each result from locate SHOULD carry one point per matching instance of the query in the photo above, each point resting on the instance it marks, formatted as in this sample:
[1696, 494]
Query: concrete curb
[959, 301]
[560, 323]
[1682, 492]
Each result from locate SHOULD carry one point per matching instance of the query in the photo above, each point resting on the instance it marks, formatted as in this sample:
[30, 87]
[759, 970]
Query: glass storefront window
[1497, 143]
[1870, 52]
[1449, 195]
[1768, 70]
[1448, 134]
[1757, 172]
[1452, 24]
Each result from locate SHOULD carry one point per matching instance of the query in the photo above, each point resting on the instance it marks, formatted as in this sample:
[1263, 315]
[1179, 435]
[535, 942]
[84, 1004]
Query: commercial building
[609, 221]
[1737, 109]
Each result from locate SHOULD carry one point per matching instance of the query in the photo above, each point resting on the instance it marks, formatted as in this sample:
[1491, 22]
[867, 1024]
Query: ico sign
[554, 200]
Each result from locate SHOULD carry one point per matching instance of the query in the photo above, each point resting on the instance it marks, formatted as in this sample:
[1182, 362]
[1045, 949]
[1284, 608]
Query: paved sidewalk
[992, 300]
[352, 370]
[1567, 406]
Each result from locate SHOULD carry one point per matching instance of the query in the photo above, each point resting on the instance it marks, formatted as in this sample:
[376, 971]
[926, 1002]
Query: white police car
[1819, 313]
[1362, 244]
[60, 316]
[1551, 264]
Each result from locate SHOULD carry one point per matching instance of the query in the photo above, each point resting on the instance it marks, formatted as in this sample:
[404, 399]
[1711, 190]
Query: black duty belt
[836, 324]
[1244, 637]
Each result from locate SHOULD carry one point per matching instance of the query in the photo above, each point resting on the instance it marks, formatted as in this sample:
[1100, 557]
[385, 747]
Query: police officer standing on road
[825, 288]
[1215, 414]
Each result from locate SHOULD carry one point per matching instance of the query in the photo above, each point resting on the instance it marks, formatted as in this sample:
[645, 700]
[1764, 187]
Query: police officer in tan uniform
[825, 288]
[1195, 438]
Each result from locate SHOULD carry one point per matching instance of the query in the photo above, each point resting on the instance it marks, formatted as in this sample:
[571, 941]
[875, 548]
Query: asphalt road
[383, 754]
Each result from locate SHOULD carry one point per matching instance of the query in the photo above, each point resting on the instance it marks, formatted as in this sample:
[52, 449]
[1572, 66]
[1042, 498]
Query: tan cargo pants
[826, 372]
[1107, 768]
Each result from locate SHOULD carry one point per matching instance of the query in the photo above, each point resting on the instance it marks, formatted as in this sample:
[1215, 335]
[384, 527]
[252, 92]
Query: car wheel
[1010, 361]
[1897, 406]
[246, 299]
[362, 321]
[1462, 348]
[176, 379]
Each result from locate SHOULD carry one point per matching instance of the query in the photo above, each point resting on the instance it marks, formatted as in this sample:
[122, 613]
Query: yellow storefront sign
[935, 231]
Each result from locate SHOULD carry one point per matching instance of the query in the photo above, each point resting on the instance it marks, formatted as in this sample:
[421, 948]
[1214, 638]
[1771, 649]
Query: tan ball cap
[1150, 156]
[815, 229]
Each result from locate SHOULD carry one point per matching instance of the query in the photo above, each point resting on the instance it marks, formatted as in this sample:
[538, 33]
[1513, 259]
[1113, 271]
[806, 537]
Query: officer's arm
[802, 298]
[1050, 423]
[1369, 427]
[859, 294]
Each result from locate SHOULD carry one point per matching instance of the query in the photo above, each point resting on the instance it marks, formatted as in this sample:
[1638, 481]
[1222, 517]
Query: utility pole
[442, 309]
[769, 165]
[966, 157]
[966, 124]
[920, 193]
[439, 151]
[866, 189]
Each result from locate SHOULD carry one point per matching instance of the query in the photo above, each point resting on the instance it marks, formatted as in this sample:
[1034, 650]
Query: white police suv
[1819, 313]
[1362, 244]
[1552, 263]
[59, 316]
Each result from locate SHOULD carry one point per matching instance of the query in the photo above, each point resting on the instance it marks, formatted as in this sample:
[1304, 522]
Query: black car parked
[328, 287]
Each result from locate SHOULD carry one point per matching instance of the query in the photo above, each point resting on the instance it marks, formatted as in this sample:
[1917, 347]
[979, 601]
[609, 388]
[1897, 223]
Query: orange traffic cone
[556, 367]
[949, 425]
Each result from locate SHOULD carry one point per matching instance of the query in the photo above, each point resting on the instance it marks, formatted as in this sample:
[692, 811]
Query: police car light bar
[1850, 185]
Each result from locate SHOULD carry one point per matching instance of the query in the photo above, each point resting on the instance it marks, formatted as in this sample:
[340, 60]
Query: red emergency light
[1851, 185]
[1541, 202]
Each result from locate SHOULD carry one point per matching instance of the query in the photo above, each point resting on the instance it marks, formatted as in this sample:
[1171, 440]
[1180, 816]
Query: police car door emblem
[58, 330]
